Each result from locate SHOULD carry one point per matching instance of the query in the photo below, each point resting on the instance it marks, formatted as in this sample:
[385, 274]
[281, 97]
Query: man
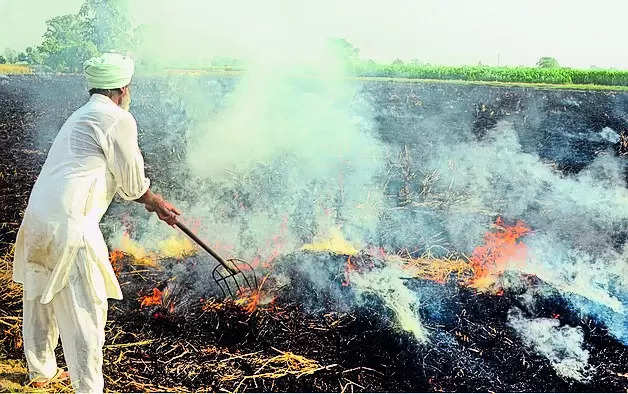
[60, 255]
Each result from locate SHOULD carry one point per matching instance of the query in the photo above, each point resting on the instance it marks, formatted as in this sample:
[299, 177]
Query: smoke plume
[292, 150]
[563, 346]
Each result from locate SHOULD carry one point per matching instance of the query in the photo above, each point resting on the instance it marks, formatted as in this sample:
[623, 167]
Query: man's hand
[165, 210]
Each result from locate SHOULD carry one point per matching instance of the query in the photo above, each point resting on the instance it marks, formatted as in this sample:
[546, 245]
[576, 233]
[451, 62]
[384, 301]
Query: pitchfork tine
[238, 287]
[232, 270]
[246, 279]
[221, 279]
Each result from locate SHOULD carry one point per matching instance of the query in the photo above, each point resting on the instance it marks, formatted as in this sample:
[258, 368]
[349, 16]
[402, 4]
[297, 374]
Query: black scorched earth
[315, 333]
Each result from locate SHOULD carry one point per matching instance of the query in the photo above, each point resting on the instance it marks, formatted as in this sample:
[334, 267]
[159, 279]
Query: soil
[355, 343]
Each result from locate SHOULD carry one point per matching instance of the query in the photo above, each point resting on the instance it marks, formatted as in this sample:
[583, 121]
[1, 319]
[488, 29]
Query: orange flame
[250, 299]
[150, 300]
[500, 248]
[212, 305]
[115, 258]
[349, 267]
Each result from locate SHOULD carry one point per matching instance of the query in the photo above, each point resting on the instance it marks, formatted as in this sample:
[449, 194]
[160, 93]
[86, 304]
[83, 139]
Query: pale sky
[579, 33]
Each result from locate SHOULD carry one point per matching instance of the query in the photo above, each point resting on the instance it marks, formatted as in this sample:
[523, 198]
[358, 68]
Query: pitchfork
[227, 272]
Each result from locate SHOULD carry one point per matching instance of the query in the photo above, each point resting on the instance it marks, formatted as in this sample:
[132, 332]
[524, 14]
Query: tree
[33, 56]
[397, 62]
[547, 62]
[10, 55]
[3, 60]
[107, 25]
[69, 40]
[66, 43]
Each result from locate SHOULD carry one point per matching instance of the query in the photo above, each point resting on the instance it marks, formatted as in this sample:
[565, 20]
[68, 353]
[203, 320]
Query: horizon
[483, 32]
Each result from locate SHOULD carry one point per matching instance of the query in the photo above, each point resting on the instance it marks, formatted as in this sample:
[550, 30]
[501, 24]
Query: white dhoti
[79, 315]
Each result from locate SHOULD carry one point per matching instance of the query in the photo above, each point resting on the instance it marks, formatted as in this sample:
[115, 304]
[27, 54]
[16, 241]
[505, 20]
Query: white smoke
[387, 284]
[562, 346]
[574, 218]
[290, 152]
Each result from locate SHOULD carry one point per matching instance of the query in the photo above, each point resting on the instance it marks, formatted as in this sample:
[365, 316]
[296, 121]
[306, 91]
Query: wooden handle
[203, 245]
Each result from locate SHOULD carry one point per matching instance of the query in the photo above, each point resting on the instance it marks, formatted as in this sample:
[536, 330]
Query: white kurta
[95, 155]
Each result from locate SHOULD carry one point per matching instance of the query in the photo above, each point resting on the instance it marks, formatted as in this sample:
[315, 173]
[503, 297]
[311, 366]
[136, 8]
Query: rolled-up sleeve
[125, 160]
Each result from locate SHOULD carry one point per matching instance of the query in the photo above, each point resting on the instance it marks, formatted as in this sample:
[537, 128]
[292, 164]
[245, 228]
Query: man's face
[125, 99]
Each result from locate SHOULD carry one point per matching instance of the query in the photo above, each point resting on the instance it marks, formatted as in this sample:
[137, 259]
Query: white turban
[108, 71]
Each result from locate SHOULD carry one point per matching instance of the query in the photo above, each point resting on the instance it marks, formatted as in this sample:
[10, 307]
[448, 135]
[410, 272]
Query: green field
[528, 75]
[537, 77]
[545, 78]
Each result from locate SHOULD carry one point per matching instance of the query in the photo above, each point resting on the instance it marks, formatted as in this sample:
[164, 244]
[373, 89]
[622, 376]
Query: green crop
[493, 74]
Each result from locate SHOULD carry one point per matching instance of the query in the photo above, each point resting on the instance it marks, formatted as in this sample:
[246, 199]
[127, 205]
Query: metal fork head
[233, 281]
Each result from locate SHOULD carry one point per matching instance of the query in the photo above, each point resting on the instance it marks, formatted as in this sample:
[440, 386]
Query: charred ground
[320, 344]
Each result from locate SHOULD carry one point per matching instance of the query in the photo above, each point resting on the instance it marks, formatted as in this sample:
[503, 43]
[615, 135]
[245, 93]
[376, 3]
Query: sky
[577, 33]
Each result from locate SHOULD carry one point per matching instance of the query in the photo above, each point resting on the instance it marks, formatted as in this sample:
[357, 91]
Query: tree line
[99, 26]
[103, 25]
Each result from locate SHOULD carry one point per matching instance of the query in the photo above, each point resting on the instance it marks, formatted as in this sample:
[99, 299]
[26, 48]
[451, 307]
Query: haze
[577, 33]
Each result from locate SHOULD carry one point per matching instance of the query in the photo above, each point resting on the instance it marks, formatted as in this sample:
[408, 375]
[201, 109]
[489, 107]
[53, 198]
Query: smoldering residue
[293, 150]
[561, 345]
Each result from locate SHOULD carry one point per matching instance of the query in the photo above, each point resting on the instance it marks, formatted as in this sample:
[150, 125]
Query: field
[518, 153]
[14, 69]
[557, 76]
[506, 76]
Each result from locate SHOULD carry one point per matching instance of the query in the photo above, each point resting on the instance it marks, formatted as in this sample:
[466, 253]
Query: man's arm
[127, 165]
[155, 203]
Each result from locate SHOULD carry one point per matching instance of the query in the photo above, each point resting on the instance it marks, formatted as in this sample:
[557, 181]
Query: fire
[155, 299]
[501, 247]
[250, 300]
[162, 298]
[359, 264]
[115, 258]
[349, 267]
[134, 249]
[334, 243]
[177, 247]
[212, 305]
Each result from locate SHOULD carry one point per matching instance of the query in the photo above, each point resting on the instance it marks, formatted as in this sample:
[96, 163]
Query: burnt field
[431, 308]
